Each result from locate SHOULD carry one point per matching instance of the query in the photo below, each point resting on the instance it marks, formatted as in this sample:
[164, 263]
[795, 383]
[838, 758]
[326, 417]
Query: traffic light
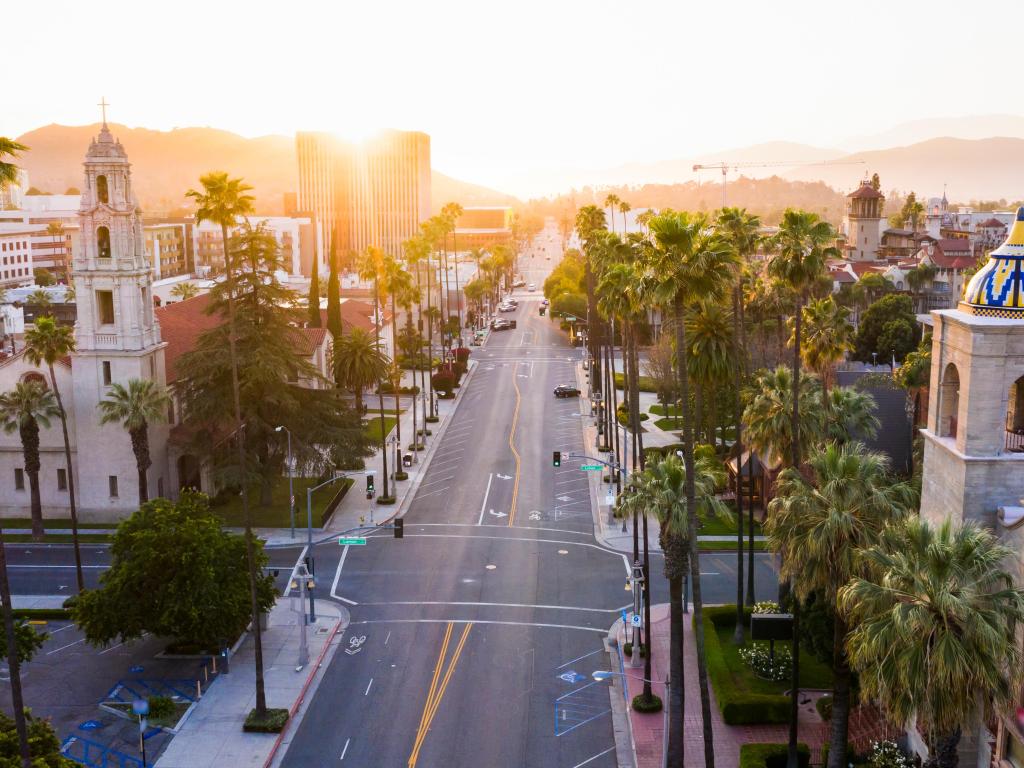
[556, 459]
[369, 487]
[399, 528]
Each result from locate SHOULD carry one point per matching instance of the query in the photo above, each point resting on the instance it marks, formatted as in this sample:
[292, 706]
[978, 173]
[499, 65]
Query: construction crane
[726, 167]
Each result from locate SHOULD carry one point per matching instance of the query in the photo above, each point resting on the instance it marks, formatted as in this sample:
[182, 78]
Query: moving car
[519, 284]
[507, 308]
[566, 390]
[531, 287]
[500, 325]
[545, 302]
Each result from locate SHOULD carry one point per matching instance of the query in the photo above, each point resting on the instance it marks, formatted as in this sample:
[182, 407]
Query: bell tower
[116, 333]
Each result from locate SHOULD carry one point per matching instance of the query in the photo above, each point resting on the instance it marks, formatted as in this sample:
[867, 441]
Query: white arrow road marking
[504, 477]
[499, 514]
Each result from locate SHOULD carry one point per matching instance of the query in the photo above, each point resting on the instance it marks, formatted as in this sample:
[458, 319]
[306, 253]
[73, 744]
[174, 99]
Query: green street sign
[571, 318]
[351, 542]
[590, 467]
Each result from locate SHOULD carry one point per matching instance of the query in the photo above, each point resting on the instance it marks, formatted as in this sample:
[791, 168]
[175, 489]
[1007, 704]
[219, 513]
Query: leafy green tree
[690, 261]
[40, 298]
[174, 572]
[9, 171]
[43, 277]
[41, 747]
[819, 528]
[135, 407]
[26, 640]
[333, 295]
[890, 320]
[185, 291]
[25, 408]
[934, 624]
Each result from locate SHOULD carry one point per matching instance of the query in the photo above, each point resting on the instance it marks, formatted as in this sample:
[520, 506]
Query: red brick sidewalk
[648, 730]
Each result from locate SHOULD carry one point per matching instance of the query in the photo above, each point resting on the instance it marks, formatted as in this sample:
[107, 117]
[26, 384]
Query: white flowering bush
[766, 606]
[757, 657]
[885, 754]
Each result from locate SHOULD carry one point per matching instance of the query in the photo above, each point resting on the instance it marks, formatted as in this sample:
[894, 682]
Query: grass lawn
[371, 428]
[813, 674]
[728, 546]
[61, 538]
[666, 410]
[646, 383]
[48, 523]
[668, 423]
[717, 527]
[277, 514]
[387, 411]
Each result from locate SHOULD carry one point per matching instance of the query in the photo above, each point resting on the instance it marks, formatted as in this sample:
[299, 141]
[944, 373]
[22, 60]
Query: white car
[531, 287]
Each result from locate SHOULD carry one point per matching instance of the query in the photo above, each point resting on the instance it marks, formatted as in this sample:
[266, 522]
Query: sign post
[140, 707]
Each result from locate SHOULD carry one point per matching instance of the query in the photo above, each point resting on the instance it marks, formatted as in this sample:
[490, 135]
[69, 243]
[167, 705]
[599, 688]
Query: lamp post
[302, 581]
[291, 472]
[602, 674]
[309, 532]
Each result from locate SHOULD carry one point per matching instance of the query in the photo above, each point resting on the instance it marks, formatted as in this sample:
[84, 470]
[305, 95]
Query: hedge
[737, 707]
[772, 755]
[273, 722]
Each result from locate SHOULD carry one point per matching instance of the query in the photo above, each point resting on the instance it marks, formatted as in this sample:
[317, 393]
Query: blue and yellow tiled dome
[997, 289]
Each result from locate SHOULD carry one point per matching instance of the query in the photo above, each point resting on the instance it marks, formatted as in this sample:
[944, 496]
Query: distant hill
[167, 163]
[970, 169]
[916, 131]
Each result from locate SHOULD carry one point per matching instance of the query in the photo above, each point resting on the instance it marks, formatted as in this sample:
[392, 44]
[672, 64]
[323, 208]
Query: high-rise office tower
[375, 192]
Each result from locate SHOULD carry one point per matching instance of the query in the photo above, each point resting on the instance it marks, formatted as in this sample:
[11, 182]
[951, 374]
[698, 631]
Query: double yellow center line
[437, 691]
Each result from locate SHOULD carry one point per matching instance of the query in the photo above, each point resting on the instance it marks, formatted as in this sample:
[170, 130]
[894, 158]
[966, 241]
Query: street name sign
[590, 467]
[351, 541]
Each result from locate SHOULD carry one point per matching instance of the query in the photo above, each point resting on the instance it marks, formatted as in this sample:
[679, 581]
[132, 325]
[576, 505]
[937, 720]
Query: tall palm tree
[712, 357]
[850, 415]
[678, 498]
[222, 200]
[829, 337]
[135, 407]
[612, 200]
[820, 529]
[47, 343]
[742, 231]
[358, 363]
[371, 266]
[25, 408]
[55, 230]
[451, 213]
[801, 251]
[417, 253]
[590, 221]
[934, 627]
[397, 285]
[690, 261]
[624, 208]
[9, 171]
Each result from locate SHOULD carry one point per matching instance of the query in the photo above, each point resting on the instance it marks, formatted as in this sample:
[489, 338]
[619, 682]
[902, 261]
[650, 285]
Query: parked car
[519, 284]
[531, 287]
[507, 308]
[501, 325]
[566, 390]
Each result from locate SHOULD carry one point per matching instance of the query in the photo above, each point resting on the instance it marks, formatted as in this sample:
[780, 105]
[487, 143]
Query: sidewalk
[213, 736]
[648, 729]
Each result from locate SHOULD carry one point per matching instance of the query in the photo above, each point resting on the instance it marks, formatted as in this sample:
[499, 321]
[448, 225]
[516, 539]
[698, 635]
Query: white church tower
[116, 334]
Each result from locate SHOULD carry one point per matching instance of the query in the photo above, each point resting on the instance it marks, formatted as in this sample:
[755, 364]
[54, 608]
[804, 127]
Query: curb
[622, 724]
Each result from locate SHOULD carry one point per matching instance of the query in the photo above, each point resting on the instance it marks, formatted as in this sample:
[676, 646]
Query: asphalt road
[462, 631]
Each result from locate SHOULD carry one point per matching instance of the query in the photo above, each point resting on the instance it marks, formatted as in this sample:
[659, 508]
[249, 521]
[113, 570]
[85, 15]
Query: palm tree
[829, 338]
[185, 291]
[141, 403]
[25, 408]
[742, 231]
[611, 200]
[372, 267]
[934, 626]
[712, 357]
[47, 343]
[850, 415]
[222, 201]
[590, 221]
[801, 250]
[820, 529]
[358, 363]
[678, 498]
[9, 171]
[40, 298]
[451, 213]
[397, 285]
[55, 230]
[920, 277]
[690, 261]
[624, 208]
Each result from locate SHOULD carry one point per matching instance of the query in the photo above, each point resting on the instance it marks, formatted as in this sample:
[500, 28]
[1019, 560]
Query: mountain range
[167, 163]
[971, 158]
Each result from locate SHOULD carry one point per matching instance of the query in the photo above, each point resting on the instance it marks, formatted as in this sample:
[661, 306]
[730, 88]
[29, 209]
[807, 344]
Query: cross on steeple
[103, 105]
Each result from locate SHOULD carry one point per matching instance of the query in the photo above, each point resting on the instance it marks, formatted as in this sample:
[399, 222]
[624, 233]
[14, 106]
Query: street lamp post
[291, 472]
[602, 674]
[309, 530]
[303, 580]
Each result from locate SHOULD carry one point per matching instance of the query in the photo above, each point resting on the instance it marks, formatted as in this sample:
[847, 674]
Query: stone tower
[864, 218]
[117, 336]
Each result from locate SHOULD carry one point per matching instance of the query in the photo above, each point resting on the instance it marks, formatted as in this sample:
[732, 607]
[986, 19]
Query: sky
[514, 95]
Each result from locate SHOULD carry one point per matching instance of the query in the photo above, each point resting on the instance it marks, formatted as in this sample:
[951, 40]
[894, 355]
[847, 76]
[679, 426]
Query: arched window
[949, 402]
[103, 242]
[38, 378]
[102, 194]
[1015, 417]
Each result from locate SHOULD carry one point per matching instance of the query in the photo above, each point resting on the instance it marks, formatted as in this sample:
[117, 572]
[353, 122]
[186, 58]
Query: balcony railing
[1015, 440]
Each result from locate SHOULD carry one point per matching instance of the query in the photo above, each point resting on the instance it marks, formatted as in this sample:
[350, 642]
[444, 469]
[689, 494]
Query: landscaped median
[743, 698]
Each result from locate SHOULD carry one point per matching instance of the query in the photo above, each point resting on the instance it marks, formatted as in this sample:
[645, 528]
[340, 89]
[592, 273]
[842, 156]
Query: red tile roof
[861, 268]
[181, 323]
[309, 340]
[991, 223]
[356, 314]
[842, 276]
[866, 190]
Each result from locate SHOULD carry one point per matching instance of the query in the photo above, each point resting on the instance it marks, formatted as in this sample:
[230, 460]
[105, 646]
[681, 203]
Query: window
[170, 413]
[105, 307]
[62, 479]
[160, 486]
[101, 189]
[103, 242]
[19, 479]
[112, 482]
[107, 377]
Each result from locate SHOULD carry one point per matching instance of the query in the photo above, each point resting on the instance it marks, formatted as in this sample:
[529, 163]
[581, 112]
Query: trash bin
[406, 459]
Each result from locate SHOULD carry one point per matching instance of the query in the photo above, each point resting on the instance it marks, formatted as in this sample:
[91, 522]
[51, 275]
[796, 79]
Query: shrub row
[737, 707]
[771, 755]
